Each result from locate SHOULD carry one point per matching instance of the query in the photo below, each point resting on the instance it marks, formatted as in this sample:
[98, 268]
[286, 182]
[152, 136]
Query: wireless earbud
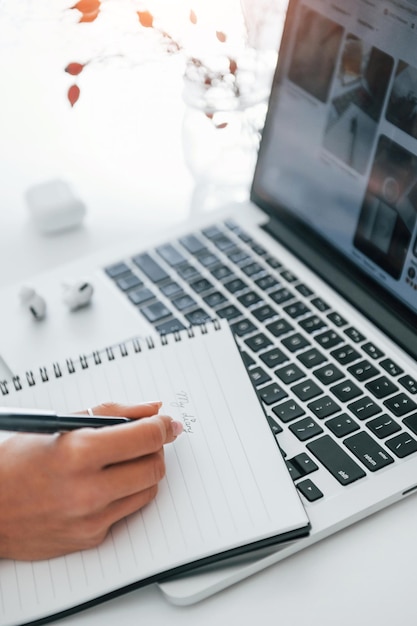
[78, 294]
[35, 304]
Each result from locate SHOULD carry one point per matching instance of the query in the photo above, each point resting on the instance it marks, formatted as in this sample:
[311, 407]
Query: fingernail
[156, 403]
[177, 428]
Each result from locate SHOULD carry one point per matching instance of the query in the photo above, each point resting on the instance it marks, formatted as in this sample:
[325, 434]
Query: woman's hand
[61, 493]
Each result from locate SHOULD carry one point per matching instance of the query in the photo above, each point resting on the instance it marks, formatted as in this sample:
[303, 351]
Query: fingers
[119, 509]
[145, 409]
[125, 479]
[117, 444]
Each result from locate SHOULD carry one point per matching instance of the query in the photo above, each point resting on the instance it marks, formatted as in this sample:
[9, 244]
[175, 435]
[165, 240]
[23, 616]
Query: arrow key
[309, 490]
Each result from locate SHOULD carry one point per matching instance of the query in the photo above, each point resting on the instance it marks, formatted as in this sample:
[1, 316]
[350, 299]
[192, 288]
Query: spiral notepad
[226, 490]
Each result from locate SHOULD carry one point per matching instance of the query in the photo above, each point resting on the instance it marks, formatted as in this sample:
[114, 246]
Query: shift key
[336, 460]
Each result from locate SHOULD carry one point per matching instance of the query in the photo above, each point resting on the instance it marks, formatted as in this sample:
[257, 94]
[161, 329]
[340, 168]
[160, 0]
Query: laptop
[317, 276]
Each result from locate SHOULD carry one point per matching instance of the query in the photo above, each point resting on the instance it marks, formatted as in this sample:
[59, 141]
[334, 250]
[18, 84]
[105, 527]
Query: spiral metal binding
[97, 356]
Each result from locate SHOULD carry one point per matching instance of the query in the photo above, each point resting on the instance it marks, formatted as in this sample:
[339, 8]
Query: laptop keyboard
[320, 379]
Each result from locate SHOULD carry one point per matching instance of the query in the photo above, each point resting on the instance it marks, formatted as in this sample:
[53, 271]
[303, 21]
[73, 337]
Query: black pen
[35, 421]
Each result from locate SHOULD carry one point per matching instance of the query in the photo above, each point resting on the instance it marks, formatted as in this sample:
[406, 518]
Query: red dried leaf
[232, 66]
[73, 94]
[221, 36]
[145, 18]
[89, 17]
[193, 17]
[87, 6]
[74, 68]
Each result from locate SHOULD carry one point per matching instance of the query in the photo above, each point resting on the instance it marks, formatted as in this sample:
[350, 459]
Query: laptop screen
[339, 149]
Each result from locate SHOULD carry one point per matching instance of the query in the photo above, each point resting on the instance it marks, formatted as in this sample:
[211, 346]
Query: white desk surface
[123, 155]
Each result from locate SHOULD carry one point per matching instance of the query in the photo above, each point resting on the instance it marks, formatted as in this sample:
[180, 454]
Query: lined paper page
[226, 483]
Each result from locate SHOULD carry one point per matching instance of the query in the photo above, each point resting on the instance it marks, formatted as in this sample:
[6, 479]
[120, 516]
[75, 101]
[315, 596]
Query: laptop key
[329, 339]
[251, 269]
[274, 426]
[155, 312]
[150, 267]
[312, 323]
[197, 317]
[214, 299]
[296, 309]
[171, 289]
[273, 357]
[170, 326]
[345, 354]
[304, 290]
[188, 272]
[383, 426]
[272, 393]
[402, 445]
[372, 351]
[345, 391]
[409, 383]
[411, 422]
[293, 470]
[183, 302]
[192, 244]
[221, 272]
[391, 367]
[324, 407]
[337, 319]
[128, 281]
[263, 313]
[281, 295]
[309, 490]
[207, 259]
[305, 429]
[354, 334]
[266, 282]
[273, 262]
[139, 296]
[228, 312]
[363, 370]
[259, 376]
[364, 408]
[249, 298]
[320, 304]
[336, 460]
[116, 270]
[258, 342]
[289, 374]
[368, 451]
[295, 342]
[400, 404]
[288, 411]
[311, 358]
[328, 374]
[235, 285]
[280, 327]
[289, 276]
[381, 387]
[244, 327]
[170, 255]
[222, 242]
[306, 390]
[247, 359]
[212, 232]
[201, 285]
[304, 463]
[342, 425]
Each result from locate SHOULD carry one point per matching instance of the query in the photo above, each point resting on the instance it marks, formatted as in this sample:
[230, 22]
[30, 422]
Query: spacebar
[336, 460]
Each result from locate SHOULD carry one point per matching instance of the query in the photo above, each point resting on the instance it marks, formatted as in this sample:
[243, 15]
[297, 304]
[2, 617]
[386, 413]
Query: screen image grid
[363, 85]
